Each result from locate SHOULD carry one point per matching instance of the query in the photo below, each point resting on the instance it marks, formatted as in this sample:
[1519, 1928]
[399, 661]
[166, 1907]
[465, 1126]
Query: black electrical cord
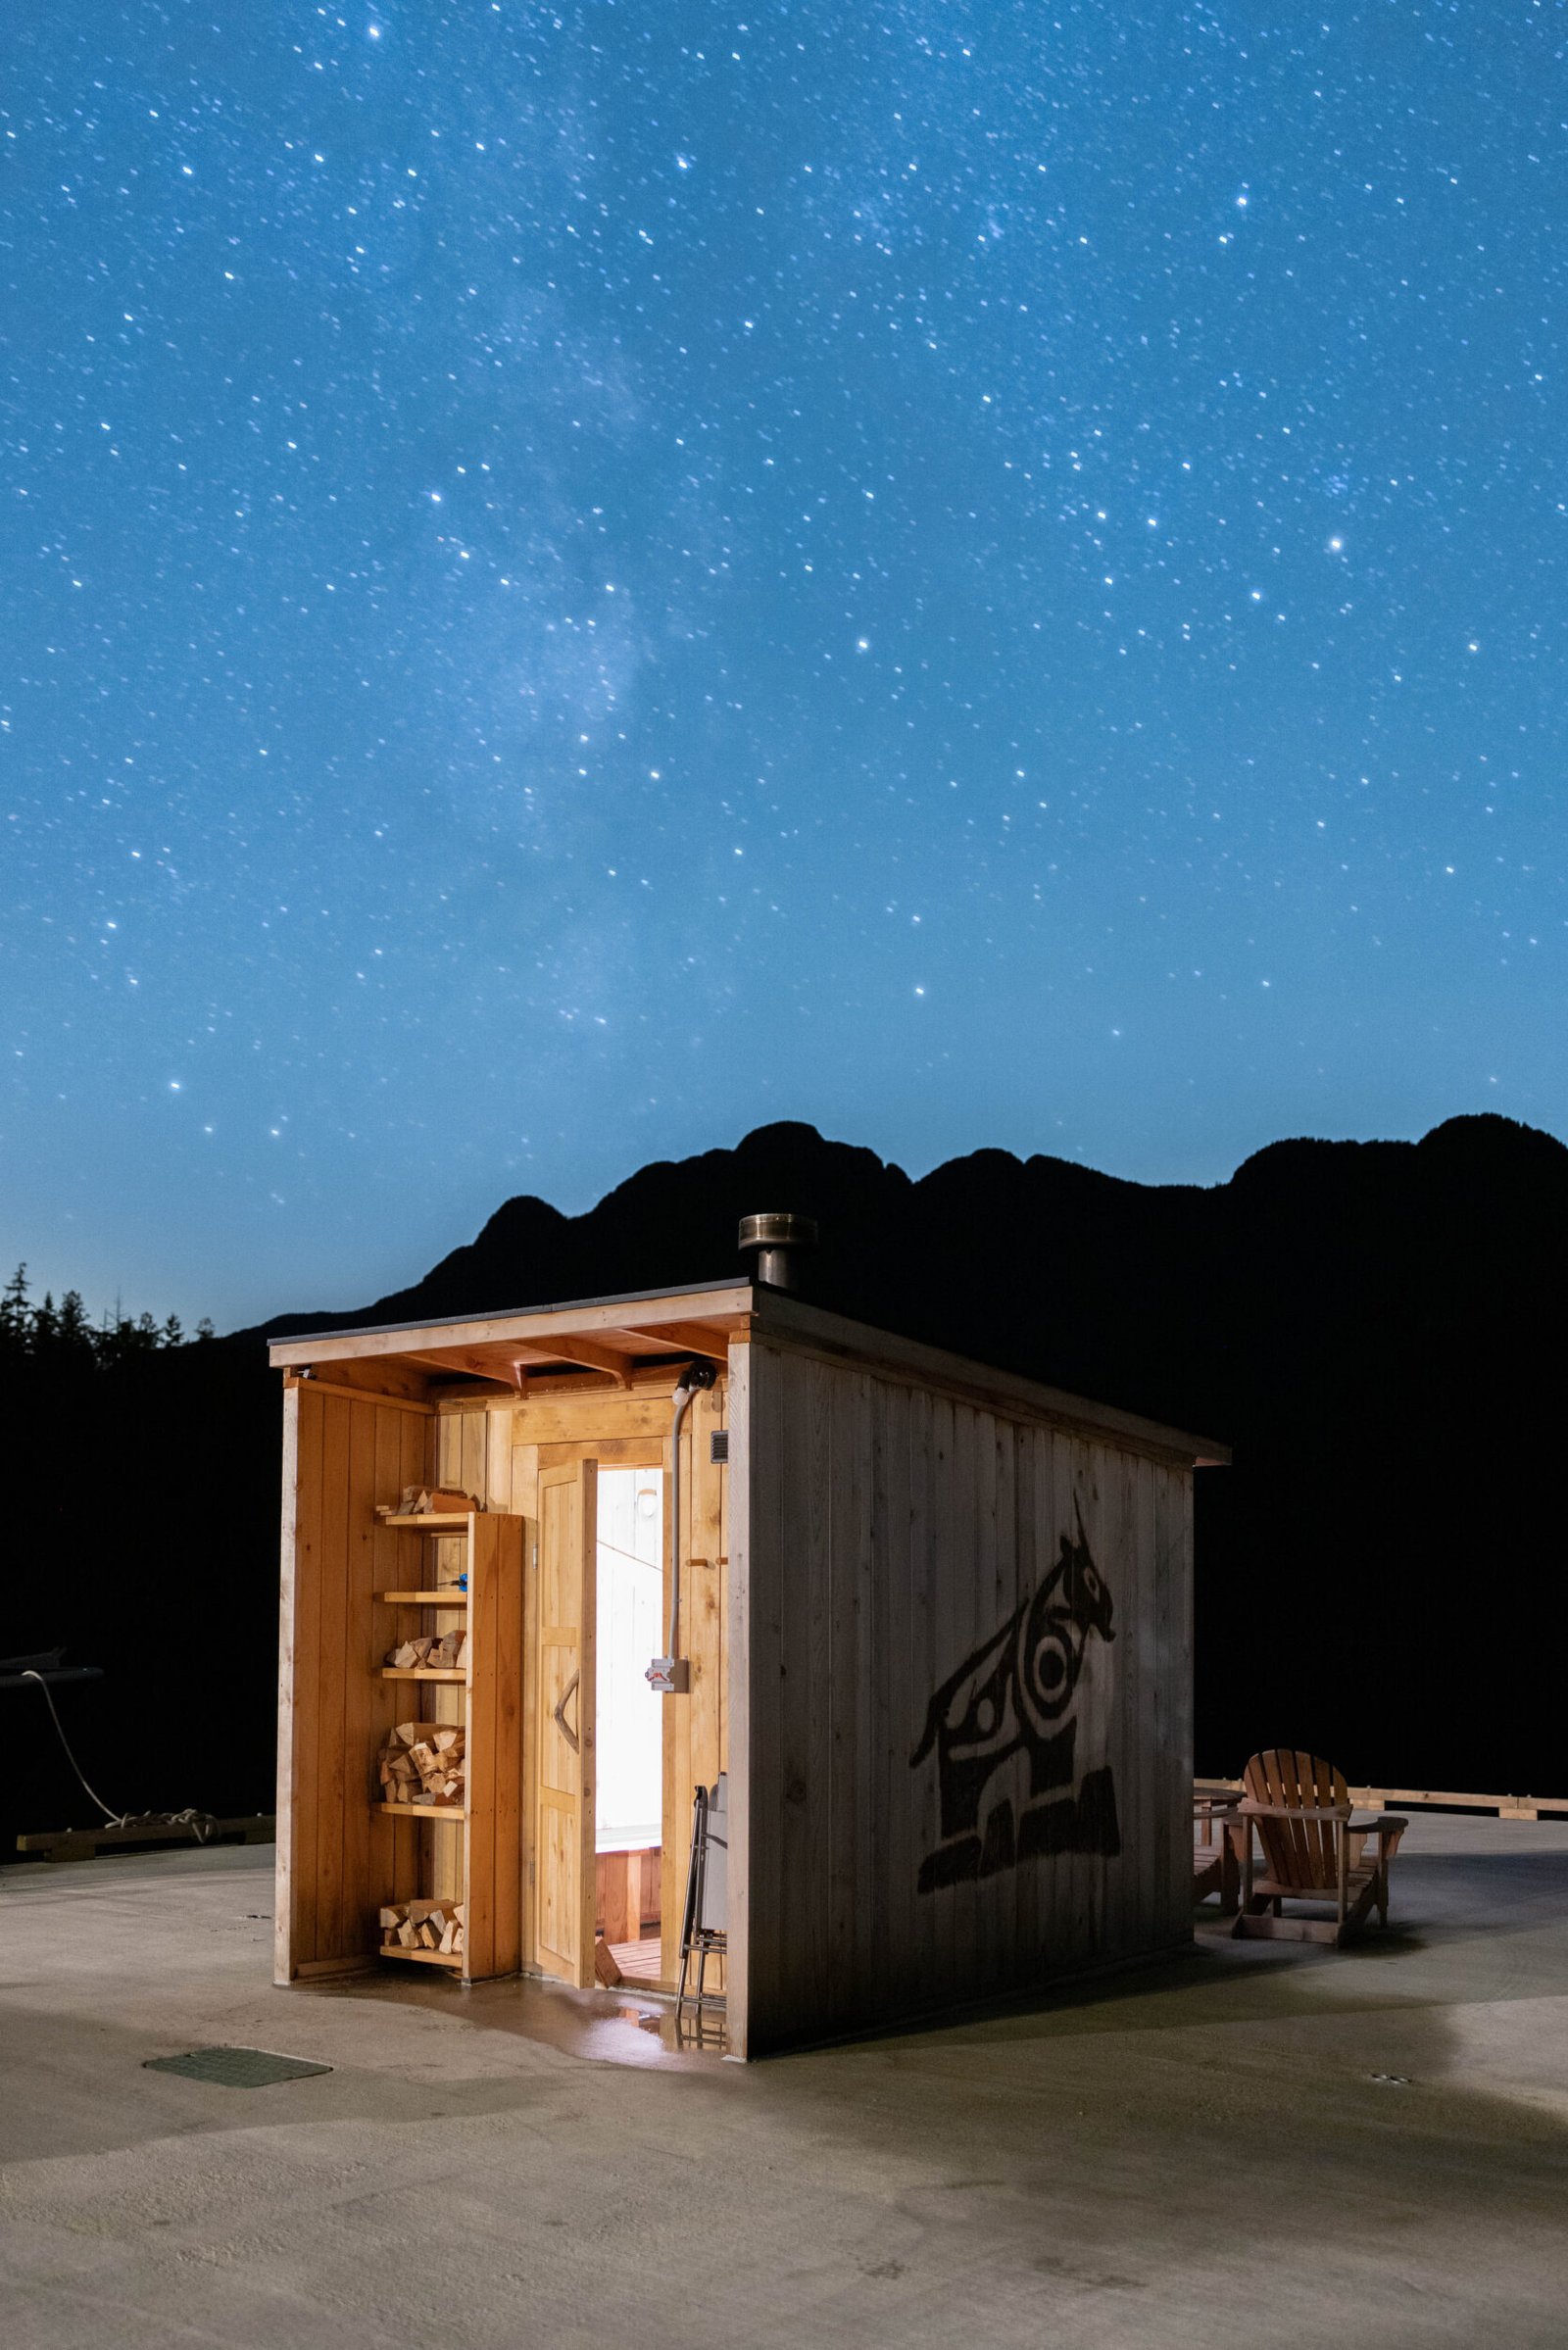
[200, 1823]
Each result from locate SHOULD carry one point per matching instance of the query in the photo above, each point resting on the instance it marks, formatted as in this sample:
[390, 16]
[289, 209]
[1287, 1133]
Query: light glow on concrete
[1200, 2154]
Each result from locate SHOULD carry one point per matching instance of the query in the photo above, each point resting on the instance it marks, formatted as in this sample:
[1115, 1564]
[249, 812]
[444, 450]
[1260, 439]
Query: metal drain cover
[235, 2068]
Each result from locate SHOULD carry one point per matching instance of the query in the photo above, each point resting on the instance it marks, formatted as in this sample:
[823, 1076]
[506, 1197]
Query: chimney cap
[777, 1232]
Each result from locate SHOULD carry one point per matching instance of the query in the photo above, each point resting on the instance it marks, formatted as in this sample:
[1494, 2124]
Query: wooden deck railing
[1505, 1807]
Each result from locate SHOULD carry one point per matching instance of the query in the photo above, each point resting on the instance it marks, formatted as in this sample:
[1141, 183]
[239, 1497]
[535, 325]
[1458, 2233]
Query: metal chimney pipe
[773, 1240]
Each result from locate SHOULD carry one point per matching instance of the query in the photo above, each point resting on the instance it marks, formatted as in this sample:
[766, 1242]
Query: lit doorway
[629, 1723]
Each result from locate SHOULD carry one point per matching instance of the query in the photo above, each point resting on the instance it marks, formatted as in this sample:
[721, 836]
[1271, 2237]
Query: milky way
[578, 579]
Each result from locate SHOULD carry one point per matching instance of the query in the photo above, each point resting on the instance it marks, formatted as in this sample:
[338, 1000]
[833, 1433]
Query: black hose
[200, 1823]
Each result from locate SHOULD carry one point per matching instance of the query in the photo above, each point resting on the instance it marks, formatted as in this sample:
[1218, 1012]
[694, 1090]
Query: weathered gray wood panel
[965, 1653]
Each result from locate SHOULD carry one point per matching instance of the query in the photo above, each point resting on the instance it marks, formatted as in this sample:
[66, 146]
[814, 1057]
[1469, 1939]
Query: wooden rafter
[466, 1363]
[588, 1352]
[686, 1338]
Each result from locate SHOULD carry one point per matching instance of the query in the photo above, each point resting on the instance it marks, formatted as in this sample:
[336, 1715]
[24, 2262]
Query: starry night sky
[580, 578]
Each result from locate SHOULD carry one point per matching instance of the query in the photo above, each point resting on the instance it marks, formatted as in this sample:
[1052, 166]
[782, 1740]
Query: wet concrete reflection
[605, 2027]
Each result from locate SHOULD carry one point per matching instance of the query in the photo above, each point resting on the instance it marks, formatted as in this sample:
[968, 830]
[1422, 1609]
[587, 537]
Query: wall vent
[718, 1447]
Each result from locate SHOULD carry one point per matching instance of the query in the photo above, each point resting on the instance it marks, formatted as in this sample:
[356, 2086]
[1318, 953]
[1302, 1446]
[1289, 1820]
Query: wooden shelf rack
[478, 1860]
[455, 1959]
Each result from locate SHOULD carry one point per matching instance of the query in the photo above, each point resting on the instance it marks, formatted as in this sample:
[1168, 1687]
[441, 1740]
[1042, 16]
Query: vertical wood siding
[695, 1726]
[337, 1859]
[893, 1531]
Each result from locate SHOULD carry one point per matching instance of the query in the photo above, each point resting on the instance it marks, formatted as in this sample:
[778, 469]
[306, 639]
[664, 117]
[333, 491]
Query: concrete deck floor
[1259, 2143]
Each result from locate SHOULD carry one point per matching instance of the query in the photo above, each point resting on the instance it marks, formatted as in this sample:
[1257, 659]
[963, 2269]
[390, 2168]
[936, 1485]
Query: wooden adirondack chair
[1314, 1849]
[1216, 1867]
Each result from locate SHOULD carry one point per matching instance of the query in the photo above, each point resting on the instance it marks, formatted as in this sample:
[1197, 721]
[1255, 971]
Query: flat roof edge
[502, 1313]
[792, 1320]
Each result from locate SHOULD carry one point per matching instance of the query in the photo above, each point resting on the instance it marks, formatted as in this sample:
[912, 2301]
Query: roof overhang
[636, 1339]
[611, 1336]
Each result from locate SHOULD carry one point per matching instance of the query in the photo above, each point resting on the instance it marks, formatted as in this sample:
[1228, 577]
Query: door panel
[565, 1828]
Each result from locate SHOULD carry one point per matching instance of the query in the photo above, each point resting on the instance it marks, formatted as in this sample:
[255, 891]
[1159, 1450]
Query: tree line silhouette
[142, 1537]
[47, 1333]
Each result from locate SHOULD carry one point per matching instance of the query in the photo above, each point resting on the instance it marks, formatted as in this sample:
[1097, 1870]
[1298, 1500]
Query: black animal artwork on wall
[1010, 1697]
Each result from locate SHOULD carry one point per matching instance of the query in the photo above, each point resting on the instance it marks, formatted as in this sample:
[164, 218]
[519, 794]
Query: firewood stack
[423, 1763]
[423, 1926]
[446, 1652]
[429, 1502]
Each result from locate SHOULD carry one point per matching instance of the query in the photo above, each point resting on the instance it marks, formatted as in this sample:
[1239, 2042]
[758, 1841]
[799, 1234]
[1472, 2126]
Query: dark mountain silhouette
[1377, 1329]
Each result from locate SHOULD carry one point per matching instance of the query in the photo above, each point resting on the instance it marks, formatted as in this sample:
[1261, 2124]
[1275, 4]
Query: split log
[423, 1763]
[429, 1502]
[422, 1924]
[424, 1648]
[403, 1508]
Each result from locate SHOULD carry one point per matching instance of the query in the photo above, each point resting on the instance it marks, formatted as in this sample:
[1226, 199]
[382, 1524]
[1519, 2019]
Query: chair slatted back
[1298, 1852]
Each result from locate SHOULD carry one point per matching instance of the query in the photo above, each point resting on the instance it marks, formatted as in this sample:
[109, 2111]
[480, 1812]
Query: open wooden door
[564, 1780]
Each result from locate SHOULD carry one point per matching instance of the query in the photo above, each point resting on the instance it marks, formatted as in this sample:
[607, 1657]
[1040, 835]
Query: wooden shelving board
[421, 1811]
[442, 1524]
[419, 1958]
[424, 1673]
[450, 1598]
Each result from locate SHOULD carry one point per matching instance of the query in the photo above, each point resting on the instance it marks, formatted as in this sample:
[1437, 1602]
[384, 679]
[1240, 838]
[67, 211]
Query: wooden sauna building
[934, 1623]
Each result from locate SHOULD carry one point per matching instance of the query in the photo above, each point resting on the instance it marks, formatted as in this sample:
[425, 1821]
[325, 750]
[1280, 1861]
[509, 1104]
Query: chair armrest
[1383, 1822]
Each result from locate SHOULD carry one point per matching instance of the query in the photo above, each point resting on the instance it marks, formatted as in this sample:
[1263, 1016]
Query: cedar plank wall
[696, 1727]
[892, 1529]
[337, 1859]
[492, 1447]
